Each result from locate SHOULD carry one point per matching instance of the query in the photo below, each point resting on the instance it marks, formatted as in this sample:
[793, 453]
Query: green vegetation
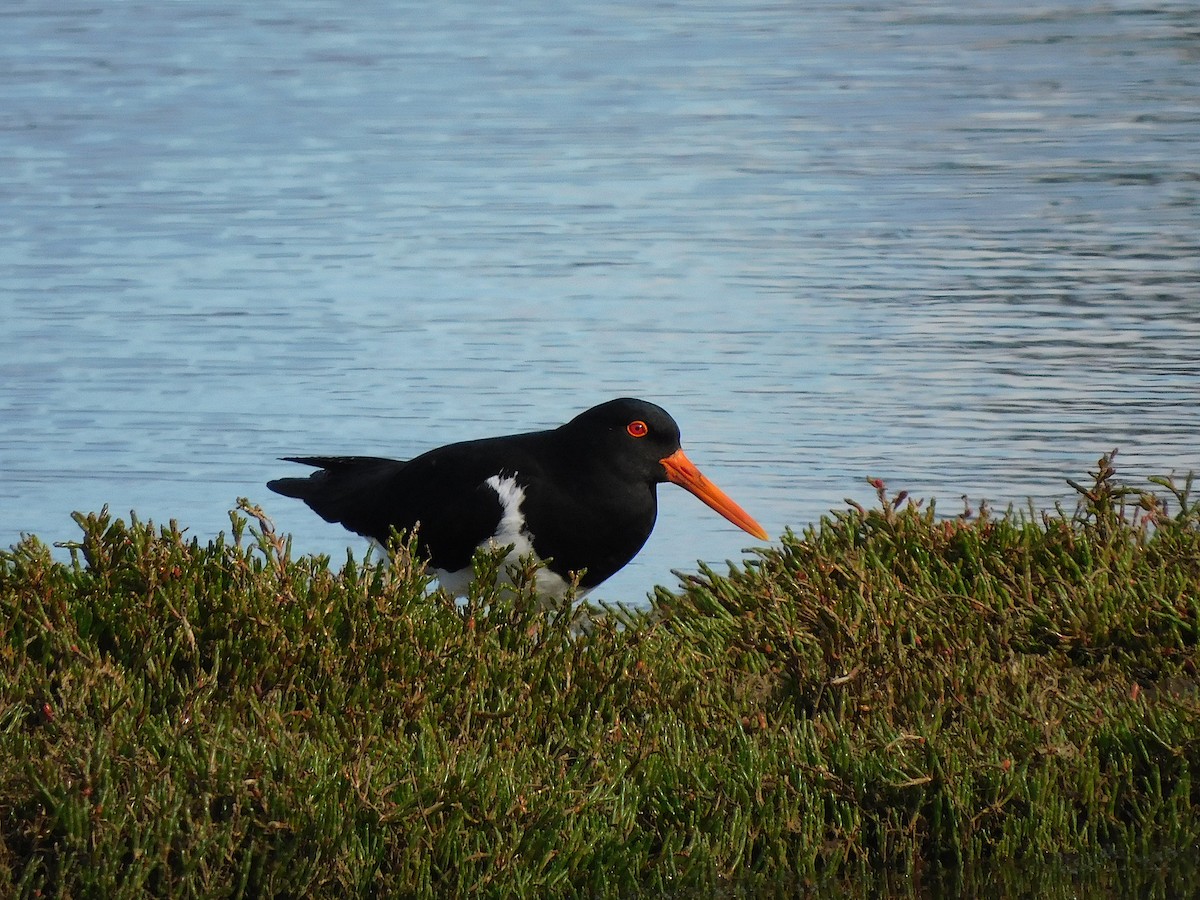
[891, 690]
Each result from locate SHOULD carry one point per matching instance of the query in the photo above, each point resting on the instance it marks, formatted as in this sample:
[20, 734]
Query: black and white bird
[582, 498]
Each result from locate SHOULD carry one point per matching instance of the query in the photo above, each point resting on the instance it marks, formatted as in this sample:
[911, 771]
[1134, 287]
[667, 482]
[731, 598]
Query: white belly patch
[510, 530]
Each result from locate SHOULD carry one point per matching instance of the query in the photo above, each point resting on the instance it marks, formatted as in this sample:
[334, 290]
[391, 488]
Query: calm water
[956, 246]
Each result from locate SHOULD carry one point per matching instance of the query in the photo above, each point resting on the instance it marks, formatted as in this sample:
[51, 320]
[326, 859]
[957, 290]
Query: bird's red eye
[637, 428]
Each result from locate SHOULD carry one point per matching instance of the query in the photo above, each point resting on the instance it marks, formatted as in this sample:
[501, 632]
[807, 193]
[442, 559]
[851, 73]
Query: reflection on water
[955, 248]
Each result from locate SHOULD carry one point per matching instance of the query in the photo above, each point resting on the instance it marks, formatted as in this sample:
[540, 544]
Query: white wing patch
[510, 530]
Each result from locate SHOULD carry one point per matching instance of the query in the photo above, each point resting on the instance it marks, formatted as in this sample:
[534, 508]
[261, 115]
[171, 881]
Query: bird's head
[641, 441]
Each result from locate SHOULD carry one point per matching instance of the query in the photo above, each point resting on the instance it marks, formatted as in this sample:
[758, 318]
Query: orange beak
[682, 472]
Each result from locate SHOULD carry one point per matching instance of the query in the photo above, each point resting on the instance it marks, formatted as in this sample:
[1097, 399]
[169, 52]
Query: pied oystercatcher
[582, 497]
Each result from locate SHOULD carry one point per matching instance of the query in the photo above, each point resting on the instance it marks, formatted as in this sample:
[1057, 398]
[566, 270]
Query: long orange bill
[682, 472]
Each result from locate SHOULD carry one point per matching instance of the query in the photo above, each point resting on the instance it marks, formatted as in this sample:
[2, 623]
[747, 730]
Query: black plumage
[584, 495]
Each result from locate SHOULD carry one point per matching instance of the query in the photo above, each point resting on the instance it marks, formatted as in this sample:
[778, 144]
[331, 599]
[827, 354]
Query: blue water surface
[952, 246]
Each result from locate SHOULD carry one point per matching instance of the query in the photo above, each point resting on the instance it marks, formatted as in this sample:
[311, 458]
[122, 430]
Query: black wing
[346, 489]
[445, 491]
